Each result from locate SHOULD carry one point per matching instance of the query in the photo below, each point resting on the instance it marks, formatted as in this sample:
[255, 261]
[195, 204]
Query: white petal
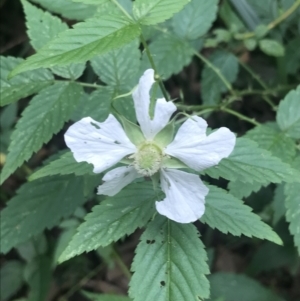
[185, 196]
[162, 112]
[141, 98]
[101, 143]
[117, 179]
[198, 151]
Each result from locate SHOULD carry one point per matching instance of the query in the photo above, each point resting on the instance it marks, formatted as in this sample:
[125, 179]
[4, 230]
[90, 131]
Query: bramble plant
[136, 154]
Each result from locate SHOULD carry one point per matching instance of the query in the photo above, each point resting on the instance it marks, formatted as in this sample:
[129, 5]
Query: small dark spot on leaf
[163, 283]
[95, 125]
[150, 242]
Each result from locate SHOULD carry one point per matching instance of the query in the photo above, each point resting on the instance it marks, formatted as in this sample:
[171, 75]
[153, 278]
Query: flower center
[147, 160]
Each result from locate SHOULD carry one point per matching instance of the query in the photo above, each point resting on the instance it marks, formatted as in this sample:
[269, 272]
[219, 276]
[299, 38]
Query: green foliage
[249, 163]
[195, 19]
[241, 190]
[232, 287]
[156, 11]
[115, 217]
[102, 297]
[22, 85]
[166, 49]
[44, 117]
[11, 278]
[274, 140]
[119, 67]
[96, 104]
[42, 27]
[278, 204]
[65, 165]
[39, 205]
[175, 261]
[90, 41]
[229, 215]
[38, 276]
[288, 115]
[68, 9]
[211, 84]
[271, 47]
[292, 204]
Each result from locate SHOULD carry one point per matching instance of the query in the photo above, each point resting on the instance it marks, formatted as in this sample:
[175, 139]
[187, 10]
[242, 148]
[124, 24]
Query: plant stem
[261, 83]
[162, 87]
[216, 70]
[240, 116]
[121, 264]
[273, 24]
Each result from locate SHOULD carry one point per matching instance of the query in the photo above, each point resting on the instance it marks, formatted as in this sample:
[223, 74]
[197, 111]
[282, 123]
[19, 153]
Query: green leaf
[275, 141]
[271, 47]
[11, 278]
[166, 50]
[278, 204]
[248, 163]
[102, 297]
[42, 27]
[95, 105]
[117, 216]
[243, 190]
[39, 205]
[119, 67]
[150, 12]
[288, 114]
[175, 261]
[68, 9]
[44, 117]
[8, 116]
[292, 204]
[195, 19]
[38, 276]
[22, 85]
[115, 32]
[65, 165]
[234, 287]
[229, 215]
[211, 84]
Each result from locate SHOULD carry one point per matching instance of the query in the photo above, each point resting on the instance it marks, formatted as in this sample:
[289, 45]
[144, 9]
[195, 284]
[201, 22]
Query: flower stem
[273, 24]
[162, 87]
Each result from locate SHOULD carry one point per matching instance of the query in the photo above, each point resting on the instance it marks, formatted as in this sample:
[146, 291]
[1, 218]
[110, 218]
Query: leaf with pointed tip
[65, 165]
[175, 260]
[23, 85]
[195, 19]
[86, 40]
[229, 215]
[156, 11]
[249, 163]
[288, 114]
[166, 50]
[68, 9]
[39, 205]
[115, 217]
[42, 27]
[44, 117]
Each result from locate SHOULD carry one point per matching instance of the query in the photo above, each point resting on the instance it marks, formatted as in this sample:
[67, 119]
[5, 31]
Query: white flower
[104, 144]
